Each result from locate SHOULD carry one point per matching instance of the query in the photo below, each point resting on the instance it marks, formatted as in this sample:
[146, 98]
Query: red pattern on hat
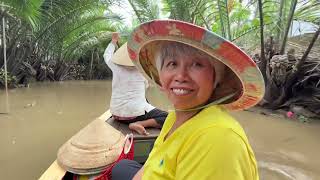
[235, 56]
[132, 54]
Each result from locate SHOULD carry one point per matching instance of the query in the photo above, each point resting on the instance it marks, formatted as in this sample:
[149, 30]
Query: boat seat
[142, 144]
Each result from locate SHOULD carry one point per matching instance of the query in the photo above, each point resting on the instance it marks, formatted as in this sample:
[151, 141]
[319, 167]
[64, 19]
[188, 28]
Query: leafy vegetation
[42, 35]
[58, 39]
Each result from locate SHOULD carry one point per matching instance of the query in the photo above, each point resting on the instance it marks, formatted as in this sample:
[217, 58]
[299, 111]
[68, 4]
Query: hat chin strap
[218, 101]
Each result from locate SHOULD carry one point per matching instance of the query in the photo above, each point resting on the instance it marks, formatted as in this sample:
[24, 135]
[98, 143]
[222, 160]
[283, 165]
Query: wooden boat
[142, 148]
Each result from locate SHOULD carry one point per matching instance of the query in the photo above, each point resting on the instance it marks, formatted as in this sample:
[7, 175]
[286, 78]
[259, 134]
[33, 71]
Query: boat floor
[55, 172]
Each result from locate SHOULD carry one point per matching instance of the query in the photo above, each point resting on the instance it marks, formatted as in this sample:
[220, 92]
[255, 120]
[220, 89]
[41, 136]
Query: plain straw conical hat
[92, 149]
[121, 56]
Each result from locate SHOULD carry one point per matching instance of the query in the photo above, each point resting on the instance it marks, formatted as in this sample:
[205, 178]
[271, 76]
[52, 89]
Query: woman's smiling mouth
[181, 92]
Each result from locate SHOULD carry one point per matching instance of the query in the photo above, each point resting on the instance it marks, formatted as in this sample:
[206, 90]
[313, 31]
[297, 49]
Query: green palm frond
[61, 13]
[271, 9]
[240, 21]
[63, 22]
[179, 10]
[78, 28]
[308, 11]
[88, 37]
[224, 18]
[145, 10]
[28, 11]
[84, 43]
[200, 12]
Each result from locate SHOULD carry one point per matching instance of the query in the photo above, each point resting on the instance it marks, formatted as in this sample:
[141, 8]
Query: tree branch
[284, 41]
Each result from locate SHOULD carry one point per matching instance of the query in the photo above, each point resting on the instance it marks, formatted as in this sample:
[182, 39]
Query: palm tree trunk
[279, 23]
[228, 21]
[263, 63]
[292, 78]
[5, 62]
[285, 37]
[306, 53]
[91, 63]
[223, 31]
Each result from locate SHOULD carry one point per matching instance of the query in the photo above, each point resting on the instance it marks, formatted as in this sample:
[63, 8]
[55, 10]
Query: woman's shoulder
[216, 122]
[218, 118]
[220, 139]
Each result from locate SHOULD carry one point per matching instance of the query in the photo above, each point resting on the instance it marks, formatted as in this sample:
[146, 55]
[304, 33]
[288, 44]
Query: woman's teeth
[180, 91]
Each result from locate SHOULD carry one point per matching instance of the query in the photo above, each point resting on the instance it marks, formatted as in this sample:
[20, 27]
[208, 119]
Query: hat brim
[121, 56]
[89, 151]
[243, 77]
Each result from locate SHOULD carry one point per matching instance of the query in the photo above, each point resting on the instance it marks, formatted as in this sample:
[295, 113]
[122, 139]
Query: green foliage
[241, 22]
[224, 18]
[27, 11]
[308, 11]
[71, 23]
[56, 24]
[145, 10]
[198, 12]
[39, 32]
[180, 10]
[68, 30]
[10, 78]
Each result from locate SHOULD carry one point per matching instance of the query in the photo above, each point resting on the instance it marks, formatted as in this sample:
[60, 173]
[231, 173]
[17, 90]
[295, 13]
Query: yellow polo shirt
[211, 145]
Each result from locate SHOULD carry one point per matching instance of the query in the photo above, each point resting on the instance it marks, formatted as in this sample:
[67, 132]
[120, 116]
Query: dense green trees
[292, 79]
[42, 35]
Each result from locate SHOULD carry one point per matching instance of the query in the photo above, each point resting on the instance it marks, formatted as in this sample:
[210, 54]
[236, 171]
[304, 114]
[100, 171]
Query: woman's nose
[182, 75]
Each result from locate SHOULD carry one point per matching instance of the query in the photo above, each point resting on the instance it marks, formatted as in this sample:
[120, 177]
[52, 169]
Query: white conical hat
[121, 56]
[92, 149]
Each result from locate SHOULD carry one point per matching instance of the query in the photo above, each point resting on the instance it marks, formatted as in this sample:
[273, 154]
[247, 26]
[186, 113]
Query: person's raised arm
[108, 53]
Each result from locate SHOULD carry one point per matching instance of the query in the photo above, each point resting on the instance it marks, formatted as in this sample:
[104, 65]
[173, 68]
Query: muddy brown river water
[43, 116]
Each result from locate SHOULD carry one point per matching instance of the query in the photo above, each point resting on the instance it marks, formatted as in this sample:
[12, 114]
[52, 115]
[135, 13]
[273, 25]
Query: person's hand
[115, 38]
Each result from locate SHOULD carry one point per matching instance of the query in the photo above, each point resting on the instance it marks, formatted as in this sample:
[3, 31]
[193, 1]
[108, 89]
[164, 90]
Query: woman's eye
[197, 64]
[171, 64]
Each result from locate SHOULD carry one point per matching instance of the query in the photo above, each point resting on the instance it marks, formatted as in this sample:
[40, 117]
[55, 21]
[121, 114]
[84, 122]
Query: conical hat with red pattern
[242, 78]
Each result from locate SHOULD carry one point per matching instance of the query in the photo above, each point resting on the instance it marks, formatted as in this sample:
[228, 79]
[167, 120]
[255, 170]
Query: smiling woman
[186, 75]
[188, 69]
[197, 70]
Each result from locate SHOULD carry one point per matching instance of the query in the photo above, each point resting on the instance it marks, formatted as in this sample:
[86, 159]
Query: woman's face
[187, 80]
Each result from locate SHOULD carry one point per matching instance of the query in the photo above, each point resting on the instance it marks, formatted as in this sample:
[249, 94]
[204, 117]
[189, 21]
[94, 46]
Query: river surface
[42, 117]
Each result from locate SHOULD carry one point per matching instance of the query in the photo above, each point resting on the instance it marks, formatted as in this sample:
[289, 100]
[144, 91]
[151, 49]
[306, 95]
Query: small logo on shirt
[161, 163]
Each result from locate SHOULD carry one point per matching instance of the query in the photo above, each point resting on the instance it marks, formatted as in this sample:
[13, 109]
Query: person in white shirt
[128, 103]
